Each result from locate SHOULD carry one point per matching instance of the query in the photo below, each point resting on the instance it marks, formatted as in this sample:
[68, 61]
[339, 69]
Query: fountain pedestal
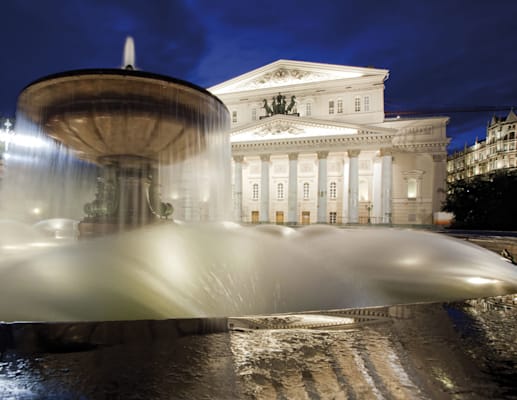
[127, 197]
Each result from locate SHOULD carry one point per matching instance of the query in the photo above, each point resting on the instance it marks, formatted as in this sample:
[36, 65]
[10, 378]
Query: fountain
[128, 122]
[138, 134]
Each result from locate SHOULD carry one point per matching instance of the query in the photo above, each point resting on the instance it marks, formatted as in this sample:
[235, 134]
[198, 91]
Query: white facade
[497, 152]
[333, 158]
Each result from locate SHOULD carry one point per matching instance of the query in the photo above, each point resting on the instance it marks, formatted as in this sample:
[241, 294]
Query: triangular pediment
[287, 72]
[279, 127]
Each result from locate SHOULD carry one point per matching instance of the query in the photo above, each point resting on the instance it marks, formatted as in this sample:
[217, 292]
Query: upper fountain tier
[123, 116]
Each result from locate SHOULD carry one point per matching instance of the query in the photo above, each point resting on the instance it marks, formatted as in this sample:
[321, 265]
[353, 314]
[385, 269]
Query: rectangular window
[331, 107]
[253, 114]
[280, 191]
[332, 217]
[308, 109]
[411, 188]
[234, 116]
[333, 190]
[357, 103]
[255, 191]
[340, 106]
[366, 103]
[306, 191]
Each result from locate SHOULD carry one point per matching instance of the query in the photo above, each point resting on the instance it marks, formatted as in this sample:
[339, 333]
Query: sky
[446, 57]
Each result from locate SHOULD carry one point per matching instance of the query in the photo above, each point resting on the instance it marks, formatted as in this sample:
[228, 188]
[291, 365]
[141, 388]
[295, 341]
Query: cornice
[311, 145]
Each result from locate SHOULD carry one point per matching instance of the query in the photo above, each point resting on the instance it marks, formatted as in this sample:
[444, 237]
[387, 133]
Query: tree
[484, 201]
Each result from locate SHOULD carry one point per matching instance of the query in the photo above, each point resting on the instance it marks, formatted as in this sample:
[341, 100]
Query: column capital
[265, 157]
[386, 152]
[293, 156]
[353, 153]
[322, 154]
[238, 159]
[439, 157]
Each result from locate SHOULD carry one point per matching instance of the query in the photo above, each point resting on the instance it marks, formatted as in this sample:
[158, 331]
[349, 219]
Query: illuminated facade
[497, 152]
[310, 144]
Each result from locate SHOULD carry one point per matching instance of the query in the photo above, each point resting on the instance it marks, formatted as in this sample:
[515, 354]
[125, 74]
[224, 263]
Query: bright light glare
[477, 280]
[28, 141]
[36, 211]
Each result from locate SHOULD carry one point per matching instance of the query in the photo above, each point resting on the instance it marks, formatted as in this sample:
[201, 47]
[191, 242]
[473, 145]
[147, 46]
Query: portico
[310, 144]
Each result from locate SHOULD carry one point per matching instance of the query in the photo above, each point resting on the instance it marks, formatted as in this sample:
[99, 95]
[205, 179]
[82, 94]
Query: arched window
[333, 190]
[255, 191]
[280, 191]
[306, 191]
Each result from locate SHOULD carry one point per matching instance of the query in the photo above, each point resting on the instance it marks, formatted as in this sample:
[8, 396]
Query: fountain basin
[123, 117]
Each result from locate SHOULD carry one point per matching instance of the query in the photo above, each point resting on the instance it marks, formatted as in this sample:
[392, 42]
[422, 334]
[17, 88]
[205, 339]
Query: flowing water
[223, 269]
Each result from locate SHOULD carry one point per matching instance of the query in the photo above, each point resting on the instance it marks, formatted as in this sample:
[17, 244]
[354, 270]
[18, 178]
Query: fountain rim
[122, 72]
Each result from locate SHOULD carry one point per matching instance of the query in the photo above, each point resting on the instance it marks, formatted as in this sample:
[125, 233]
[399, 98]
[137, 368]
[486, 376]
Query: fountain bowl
[121, 116]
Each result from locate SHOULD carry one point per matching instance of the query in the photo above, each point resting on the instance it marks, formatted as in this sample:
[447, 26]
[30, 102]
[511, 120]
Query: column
[439, 180]
[322, 187]
[264, 188]
[237, 188]
[353, 186]
[346, 174]
[292, 199]
[386, 179]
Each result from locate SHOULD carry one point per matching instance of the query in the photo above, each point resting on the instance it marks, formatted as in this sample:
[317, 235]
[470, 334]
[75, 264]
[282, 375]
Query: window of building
[357, 103]
[255, 191]
[280, 191]
[340, 106]
[364, 192]
[333, 190]
[331, 107]
[366, 102]
[234, 116]
[253, 114]
[332, 217]
[412, 188]
[306, 191]
[308, 109]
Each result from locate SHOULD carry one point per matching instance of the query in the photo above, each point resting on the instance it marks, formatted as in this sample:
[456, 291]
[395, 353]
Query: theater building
[311, 144]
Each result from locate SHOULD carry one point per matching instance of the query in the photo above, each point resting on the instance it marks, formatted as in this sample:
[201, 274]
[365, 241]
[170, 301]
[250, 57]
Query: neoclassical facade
[311, 144]
[497, 152]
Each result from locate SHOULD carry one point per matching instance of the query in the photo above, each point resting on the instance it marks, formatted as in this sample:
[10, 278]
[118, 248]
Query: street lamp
[369, 207]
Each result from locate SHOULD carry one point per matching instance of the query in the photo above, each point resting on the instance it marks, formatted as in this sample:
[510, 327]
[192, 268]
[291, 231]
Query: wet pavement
[461, 350]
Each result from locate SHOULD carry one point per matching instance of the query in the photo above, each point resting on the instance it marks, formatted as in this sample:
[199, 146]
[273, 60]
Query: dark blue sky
[442, 54]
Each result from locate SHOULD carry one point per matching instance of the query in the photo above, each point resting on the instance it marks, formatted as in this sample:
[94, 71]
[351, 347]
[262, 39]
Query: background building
[498, 151]
[311, 144]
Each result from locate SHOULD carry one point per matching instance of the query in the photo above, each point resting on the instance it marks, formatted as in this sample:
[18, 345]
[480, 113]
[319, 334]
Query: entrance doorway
[254, 217]
[306, 217]
[279, 217]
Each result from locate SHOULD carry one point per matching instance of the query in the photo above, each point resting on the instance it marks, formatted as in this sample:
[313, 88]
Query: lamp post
[369, 207]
